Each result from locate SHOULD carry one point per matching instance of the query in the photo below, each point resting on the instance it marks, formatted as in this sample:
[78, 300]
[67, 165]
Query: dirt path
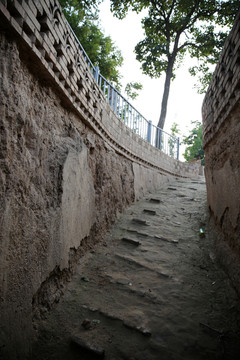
[153, 290]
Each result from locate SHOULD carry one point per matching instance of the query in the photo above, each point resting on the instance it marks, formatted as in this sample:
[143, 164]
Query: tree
[132, 88]
[173, 27]
[204, 72]
[172, 141]
[80, 10]
[101, 50]
[175, 129]
[194, 142]
[83, 18]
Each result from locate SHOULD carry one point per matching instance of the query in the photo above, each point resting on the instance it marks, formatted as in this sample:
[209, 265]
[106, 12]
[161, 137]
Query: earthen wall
[221, 130]
[69, 165]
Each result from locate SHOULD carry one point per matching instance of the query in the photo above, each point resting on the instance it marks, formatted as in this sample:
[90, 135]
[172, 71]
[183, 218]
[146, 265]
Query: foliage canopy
[173, 27]
[132, 89]
[83, 18]
[194, 142]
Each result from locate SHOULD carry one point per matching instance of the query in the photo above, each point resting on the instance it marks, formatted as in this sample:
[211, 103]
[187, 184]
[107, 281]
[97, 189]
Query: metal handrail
[85, 56]
[131, 117]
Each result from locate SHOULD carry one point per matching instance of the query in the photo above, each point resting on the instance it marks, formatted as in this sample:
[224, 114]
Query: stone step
[154, 200]
[150, 212]
[131, 241]
[164, 238]
[140, 221]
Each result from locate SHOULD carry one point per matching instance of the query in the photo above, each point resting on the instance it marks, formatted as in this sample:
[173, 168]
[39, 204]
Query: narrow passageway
[153, 290]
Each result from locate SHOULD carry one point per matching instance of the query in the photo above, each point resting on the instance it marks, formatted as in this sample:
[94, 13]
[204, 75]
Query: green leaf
[130, 89]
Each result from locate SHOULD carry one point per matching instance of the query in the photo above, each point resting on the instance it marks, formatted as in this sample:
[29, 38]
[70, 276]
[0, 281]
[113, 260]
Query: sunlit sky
[184, 101]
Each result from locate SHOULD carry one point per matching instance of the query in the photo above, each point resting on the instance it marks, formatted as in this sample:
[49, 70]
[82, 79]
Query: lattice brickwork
[224, 90]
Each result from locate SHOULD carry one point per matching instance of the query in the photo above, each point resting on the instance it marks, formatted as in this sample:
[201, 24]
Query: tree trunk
[166, 93]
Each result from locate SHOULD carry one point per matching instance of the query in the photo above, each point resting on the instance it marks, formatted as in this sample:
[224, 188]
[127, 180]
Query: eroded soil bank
[152, 290]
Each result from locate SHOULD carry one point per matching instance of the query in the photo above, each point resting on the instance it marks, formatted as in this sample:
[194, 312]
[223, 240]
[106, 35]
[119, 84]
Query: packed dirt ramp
[151, 291]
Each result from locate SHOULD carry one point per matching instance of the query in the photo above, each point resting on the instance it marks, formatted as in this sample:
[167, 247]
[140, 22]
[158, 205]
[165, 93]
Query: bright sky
[184, 101]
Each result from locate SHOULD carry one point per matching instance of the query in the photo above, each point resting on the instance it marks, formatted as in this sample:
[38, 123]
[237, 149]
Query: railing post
[104, 87]
[115, 102]
[125, 113]
[178, 148]
[96, 75]
[149, 131]
[108, 93]
[112, 96]
[160, 139]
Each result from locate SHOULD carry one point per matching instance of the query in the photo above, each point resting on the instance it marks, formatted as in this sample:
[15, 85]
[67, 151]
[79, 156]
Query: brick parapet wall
[224, 90]
[43, 29]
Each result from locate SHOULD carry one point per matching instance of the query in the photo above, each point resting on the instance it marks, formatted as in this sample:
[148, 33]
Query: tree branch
[171, 9]
[188, 17]
[158, 7]
[188, 44]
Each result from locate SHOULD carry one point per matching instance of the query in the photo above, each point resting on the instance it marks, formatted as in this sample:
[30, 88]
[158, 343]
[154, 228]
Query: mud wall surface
[61, 187]
[221, 126]
[68, 166]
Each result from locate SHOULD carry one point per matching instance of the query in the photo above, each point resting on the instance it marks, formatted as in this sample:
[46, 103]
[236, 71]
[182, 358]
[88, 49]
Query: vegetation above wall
[83, 18]
[194, 142]
[175, 27]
